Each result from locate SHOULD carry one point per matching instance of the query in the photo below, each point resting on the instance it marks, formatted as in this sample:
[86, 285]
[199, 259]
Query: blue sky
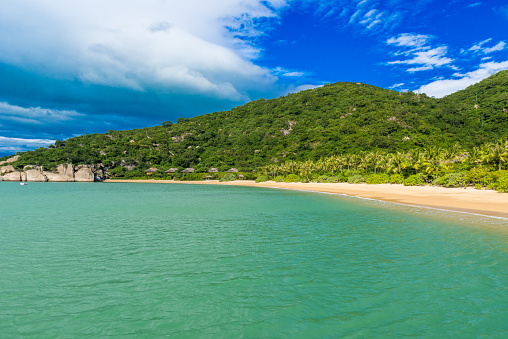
[74, 67]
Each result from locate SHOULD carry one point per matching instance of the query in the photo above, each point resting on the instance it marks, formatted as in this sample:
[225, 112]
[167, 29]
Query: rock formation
[34, 174]
[84, 174]
[63, 173]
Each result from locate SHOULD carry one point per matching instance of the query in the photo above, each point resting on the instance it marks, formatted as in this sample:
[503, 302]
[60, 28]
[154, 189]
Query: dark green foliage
[414, 180]
[356, 179]
[456, 179]
[502, 182]
[228, 177]
[396, 179]
[322, 178]
[262, 178]
[292, 178]
[378, 179]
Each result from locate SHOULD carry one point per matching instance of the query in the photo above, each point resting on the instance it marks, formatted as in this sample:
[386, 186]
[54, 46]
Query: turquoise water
[192, 261]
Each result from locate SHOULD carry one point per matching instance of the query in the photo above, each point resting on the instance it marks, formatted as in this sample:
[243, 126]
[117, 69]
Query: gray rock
[13, 159]
[84, 174]
[6, 169]
[12, 176]
[35, 175]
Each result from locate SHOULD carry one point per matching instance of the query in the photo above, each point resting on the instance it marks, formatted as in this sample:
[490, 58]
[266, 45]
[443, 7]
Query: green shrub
[228, 177]
[262, 178]
[414, 180]
[356, 179]
[378, 179]
[304, 180]
[396, 179]
[478, 176]
[322, 178]
[478, 186]
[501, 184]
[292, 178]
[455, 179]
[279, 179]
[333, 179]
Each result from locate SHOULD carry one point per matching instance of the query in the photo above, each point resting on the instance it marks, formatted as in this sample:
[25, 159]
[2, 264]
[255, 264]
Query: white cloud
[479, 48]
[35, 115]
[17, 144]
[476, 4]
[279, 71]
[499, 47]
[293, 74]
[415, 41]
[396, 85]
[416, 47]
[479, 45]
[443, 87]
[302, 88]
[197, 45]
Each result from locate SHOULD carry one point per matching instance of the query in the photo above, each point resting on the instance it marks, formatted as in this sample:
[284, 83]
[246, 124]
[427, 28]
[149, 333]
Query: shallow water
[87, 260]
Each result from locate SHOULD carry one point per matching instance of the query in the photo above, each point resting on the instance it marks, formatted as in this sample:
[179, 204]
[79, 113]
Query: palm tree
[397, 162]
[375, 159]
[416, 159]
[498, 152]
[306, 168]
[475, 156]
[450, 154]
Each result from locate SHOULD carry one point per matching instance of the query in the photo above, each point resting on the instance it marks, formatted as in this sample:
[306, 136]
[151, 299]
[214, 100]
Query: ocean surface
[200, 261]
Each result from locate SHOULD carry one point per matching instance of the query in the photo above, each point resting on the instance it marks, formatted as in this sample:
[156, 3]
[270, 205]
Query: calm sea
[192, 261]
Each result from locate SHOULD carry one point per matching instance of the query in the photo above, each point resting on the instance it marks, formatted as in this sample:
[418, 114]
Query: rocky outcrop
[6, 169]
[12, 176]
[34, 175]
[8, 161]
[63, 173]
[84, 174]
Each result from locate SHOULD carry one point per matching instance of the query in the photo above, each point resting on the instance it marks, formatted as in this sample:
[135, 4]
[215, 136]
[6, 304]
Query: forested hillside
[340, 118]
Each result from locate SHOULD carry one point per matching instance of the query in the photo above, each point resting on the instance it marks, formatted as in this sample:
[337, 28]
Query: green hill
[340, 118]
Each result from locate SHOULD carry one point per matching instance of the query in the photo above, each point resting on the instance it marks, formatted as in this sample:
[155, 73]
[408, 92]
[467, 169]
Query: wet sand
[485, 202]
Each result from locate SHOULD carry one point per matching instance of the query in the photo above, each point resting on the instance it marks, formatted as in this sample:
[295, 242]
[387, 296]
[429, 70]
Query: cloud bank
[194, 46]
[443, 87]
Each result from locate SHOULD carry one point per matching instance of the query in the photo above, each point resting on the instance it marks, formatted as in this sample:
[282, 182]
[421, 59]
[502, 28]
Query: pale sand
[486, 202]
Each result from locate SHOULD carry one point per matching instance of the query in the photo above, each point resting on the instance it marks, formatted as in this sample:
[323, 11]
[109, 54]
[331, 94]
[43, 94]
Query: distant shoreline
[484, 202]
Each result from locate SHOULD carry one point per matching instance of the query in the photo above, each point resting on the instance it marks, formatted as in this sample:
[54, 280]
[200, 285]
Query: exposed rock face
[12, 176]
[84, 174]
[13, 159]
[66, 170]
[6, 169]
[64, 173]
[34, 175]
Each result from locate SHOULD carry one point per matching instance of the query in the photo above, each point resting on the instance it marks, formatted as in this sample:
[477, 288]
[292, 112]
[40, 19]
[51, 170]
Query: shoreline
[469, 200]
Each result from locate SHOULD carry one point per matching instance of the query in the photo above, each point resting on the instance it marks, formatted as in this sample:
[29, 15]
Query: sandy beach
[486, 202]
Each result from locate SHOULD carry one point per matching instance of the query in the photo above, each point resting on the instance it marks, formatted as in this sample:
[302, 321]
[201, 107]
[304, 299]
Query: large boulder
[12, 176]
[13, 159]
[6, 169]
[56, 177]
[34, 174]
[65, 173]
[84, 174]
[66, 170]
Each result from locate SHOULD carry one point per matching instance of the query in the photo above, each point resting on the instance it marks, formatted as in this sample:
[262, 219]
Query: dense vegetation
[450, 167]
[342, 119]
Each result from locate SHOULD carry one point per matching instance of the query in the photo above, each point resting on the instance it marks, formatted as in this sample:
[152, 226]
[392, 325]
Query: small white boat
[23, 183]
